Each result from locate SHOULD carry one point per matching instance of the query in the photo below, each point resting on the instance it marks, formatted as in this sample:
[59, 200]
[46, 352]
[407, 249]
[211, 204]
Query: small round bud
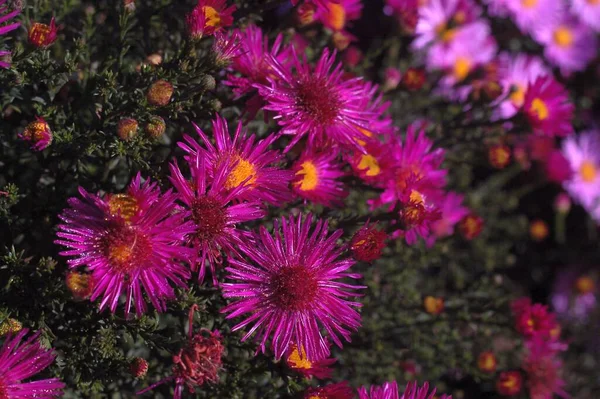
[433, 305]
[393, 76]
[138, 367]
[154, 59]
[470, 226]
[414, 78]
[538, 230]
[208, 82]
[509, 383]
[368, 243]
[155, 127]
[487, 362]
[306, 14]
[127, 128]
[159, 93]
[562, 203]
[129, 5]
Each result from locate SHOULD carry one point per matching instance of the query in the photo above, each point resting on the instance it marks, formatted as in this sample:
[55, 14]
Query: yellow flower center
[213, 18]
[310, 178]
[517, 97]
[299, 360]
[563, 36]
[124, 205]
[242, 171]
[462, 67]
[529, 3]
[585, 285]
[539, 108]
[369, 162]
[336, 17]
[446, 35]
[416, 196]
[588, 171]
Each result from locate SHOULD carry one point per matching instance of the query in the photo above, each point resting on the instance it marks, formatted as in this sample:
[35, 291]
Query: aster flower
[316, 178]
[296, 360]
[21, 359]
[543, 369]
[290, 288]
[254, 162]
[226, 47]
[588, 11]
[208, 17]
[574, 294]
[367, 243]
[547, 107]
[529, 15]
[451, 212]
[509, 383]
[37, 134]
[215, 217]
[516, 73]
[42, 35]
[336, 14]
[131, 242]
[5, 17]
[568, 44]
[197, 363]
[371, 164]
[582, 153]
[340, 390]
[317, 102]
[417, 215]
[534, 320]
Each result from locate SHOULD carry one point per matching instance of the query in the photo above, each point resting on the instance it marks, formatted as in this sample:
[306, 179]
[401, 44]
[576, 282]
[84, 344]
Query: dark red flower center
[210, 218]
[126, 248]
[318, 99]
[293, 288]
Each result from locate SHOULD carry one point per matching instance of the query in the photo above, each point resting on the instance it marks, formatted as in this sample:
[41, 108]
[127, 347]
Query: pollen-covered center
[588, 171]
[293, 288]
[336, 16]
[210, 218]
[213, 18]
[318, 100]
[124, 205]
[462, 67]
[299, 360]
[126, 248]
[517, 97]
[369, 164]
[529, 3]
[243, 171]
[539, 108]
[563, 36]
[308, 176]
[414, 212]
[39, 34]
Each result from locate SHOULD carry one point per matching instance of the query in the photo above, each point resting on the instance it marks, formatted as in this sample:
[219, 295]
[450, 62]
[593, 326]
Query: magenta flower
[389, 390]
[515, 74]
[255, 165]
[226, 47]
[319, 103]
[208, 17]
[583, 155]
[4, 17]
[547, 107]
[131, 242]
[569, 44]
[452, 212]
[317, 177]
[289, 289]
[543, 369]
[20, 360]
[588, 11]
[37, 134]
[215, 218]
[371, 164]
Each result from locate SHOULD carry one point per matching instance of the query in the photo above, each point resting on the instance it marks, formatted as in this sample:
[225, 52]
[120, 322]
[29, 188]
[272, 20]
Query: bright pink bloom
[316, 178]
[452, 212]
[543, 369]
[226, 47]
[319, 103]
[557, 167]
[20, 360]
[547, 107]
[534, 320]
[215, 218]
[290, 290]
[254, 162]
[131, 242]
[208, 17]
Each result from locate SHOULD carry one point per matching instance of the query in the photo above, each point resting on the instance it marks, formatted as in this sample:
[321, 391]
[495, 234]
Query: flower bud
[138, 367]
[10, 326]
[562, 203]
[80, 284]
[42, 35]
[499, 156]
[155, 127]
[433, 305]
[127, 128]
[38, 134]
[414, 78]
[487, 362]
[470, 226]
[367, 243]
[159, 93]
[538, 230]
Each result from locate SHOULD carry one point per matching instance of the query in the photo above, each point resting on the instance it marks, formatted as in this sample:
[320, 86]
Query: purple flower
[289, 288]
[131, 242]
[569, 44]
[452, 212]
[588, 12]
[574, 294]
[583, 154]
[319, 102]
[20, 360]
[515, 74]
[215, 218]
[255, 165]
[530, 15]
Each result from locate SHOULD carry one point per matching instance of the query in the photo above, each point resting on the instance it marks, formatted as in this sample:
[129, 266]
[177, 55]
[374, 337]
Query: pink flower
[452, 212]
[547, 107]
[582, 154]
[226, 47]
[319, 103]
[588, 12]
[37, 134]
[208, 17]
[534, 320]
[255, 165]
[4, 17]
[215, 218]
[317, 177]
[543, 369]
[131, 242]
[20, 360]
[288, 288]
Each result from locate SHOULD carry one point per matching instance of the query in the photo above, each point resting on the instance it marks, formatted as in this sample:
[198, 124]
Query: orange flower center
[243, 170]
[124, 205]
[585, 285]
[213, 18]
[369, 163]
[529, 3]
[539, 108]
[462, 67]
[298, 359]
[336, 16]
[588, 171]
[308, 176]
[563, 36]
[126, 248]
